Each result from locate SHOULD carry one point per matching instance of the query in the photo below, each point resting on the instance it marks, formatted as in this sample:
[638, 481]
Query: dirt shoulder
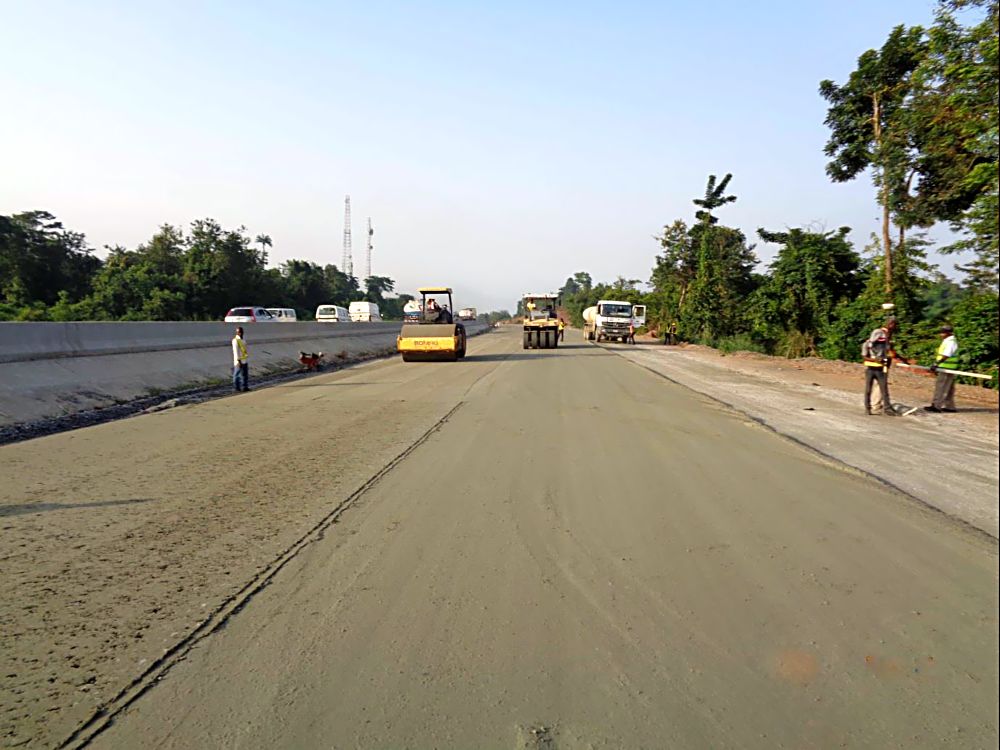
[948, 461]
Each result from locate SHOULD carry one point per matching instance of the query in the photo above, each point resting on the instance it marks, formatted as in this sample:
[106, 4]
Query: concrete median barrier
[55, 369]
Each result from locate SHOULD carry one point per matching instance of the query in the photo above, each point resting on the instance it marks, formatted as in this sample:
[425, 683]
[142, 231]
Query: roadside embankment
[55, 369]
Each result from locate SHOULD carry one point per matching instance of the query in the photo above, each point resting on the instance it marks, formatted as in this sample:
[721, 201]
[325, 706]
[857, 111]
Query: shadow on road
[27, 508]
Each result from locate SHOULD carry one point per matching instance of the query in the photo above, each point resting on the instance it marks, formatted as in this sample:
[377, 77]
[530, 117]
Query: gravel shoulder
[949, 461]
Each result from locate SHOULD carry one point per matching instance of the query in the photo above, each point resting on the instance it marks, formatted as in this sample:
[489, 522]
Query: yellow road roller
[541, 324]
[431, 334]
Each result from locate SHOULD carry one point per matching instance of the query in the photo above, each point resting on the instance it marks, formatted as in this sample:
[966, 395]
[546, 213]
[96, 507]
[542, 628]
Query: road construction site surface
[551, 549]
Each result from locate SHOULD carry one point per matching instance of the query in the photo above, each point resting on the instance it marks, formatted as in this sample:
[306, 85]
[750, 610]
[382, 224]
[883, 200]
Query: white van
[364, 312]
[332, 314]
[283, 314]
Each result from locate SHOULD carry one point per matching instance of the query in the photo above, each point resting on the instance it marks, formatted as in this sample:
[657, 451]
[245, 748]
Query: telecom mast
[347, 262]
[368, 265]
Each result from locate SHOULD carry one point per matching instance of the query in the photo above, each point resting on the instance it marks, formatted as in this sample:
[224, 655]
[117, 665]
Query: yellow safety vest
[244, 355]
[944, 362]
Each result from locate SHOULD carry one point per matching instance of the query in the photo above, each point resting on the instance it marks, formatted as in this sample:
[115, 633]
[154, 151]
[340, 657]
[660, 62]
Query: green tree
[40, 258]
[376, 288]
[868, 122]
[811, 274]
[958, 104]
[264, 240]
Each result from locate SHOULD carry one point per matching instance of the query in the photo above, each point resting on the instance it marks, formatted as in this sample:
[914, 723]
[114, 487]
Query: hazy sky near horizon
[497, 147]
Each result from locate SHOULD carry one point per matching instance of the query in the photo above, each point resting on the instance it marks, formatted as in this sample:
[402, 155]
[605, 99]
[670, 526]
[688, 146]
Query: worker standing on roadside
[631, 332]
[241, 369]
[877, 353]
[562, 330]
[670, 335]
[945, 360]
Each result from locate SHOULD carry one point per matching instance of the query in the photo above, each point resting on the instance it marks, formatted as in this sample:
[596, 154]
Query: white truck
[467, 313]
[612, 320]
[364, 312]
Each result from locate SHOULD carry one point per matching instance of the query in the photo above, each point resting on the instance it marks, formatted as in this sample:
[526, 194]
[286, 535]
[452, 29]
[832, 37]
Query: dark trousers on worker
[944, 391]
[241, 377]
[879, 374]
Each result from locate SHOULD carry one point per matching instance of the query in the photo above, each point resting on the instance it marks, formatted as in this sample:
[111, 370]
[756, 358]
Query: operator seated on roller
[431, 311]
[434, 313]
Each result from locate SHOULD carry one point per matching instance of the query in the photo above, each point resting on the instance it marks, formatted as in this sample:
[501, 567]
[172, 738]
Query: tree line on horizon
[920, 116]
[48, 272]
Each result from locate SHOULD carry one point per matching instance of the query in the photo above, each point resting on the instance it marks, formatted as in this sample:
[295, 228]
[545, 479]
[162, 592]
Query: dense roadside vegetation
[49, 273]
[920, 116]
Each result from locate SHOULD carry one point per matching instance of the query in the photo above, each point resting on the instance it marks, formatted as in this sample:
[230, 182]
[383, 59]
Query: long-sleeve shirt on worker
[239, 351]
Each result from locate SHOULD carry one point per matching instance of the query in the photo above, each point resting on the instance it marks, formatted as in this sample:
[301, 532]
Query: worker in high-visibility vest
[877, 352]
[945, 360]
[241, 369]
[562, 330]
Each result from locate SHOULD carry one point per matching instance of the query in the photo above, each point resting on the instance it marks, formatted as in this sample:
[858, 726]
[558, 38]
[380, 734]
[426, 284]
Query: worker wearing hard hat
[945, 360]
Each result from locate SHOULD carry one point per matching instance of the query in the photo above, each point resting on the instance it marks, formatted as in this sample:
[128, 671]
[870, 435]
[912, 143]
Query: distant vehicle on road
[332, 314]
[283, 314]
[541, 325]
[467, 313]
[412, 311]
[249, 315]
[612, 320]
[364, 312]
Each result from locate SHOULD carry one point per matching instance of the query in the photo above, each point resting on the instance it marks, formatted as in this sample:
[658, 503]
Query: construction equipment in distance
[432, 337]
[541, 326]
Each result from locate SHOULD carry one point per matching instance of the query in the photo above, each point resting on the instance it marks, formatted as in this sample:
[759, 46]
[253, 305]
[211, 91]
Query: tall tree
[957, 108]
[715, 197]
[264, 240]
[376, 288]
[40, 258]
[867, 121]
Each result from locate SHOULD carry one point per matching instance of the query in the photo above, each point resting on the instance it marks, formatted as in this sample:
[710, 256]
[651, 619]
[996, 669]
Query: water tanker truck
[612, 320]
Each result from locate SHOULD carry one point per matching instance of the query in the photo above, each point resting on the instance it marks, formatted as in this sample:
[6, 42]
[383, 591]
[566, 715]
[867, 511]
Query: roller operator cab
[541, 322]
[434, 335]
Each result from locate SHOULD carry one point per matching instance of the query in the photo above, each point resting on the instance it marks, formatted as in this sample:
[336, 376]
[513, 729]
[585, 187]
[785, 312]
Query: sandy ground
[581, 554]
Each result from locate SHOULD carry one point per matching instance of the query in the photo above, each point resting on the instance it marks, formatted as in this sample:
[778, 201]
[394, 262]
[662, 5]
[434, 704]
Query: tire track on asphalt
[104, 716]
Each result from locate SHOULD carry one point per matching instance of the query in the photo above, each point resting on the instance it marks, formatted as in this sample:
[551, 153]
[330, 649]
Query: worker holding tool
[241, 370]
[945, 363]
[877, 353]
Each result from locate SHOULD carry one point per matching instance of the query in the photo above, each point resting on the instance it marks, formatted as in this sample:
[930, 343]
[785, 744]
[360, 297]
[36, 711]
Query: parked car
[364, 312]
[283, 314]
[250, 315]
[332, 314]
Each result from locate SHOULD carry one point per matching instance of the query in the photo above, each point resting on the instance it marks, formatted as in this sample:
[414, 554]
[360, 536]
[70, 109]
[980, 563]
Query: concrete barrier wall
[21, 342]
[54, 369]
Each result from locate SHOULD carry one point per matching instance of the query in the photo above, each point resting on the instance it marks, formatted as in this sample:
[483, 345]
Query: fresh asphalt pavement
[585, 555]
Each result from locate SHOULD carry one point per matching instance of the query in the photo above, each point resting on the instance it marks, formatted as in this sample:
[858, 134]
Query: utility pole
[368, 266]
[347, 262]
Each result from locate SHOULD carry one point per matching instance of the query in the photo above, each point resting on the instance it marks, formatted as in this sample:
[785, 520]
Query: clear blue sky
[498, 147]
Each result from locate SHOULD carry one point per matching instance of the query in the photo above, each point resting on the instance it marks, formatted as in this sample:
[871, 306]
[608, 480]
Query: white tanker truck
[611, 320]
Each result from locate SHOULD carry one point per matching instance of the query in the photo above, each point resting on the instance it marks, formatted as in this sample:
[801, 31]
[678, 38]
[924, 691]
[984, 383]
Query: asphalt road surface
[586, 555]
